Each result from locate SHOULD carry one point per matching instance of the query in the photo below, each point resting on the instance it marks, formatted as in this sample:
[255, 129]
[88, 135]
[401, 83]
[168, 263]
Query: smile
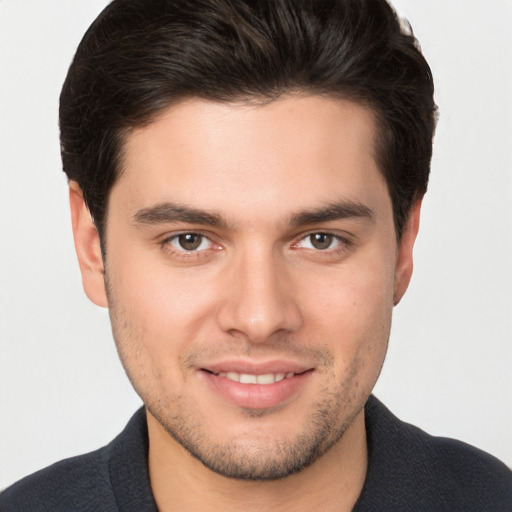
[247, 378]
[256, 388]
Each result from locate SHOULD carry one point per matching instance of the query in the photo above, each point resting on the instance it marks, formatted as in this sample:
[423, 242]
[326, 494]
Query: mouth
[252, 389]
[250, 378]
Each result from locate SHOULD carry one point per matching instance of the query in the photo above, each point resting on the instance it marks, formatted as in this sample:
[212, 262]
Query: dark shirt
[408, 471]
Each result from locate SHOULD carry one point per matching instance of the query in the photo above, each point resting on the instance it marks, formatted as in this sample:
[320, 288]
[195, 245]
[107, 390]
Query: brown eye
[321, 240]
[189, 241]
[189, 244]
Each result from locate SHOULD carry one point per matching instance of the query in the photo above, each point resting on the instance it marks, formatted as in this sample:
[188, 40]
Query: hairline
[251, 100]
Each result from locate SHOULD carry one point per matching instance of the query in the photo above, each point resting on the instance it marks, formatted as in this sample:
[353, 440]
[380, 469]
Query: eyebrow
[331, 212]
[169, 212]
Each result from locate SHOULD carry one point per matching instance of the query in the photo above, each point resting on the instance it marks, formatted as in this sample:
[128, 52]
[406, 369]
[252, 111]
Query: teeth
[247, 378]
[233, 376]
[268, 378]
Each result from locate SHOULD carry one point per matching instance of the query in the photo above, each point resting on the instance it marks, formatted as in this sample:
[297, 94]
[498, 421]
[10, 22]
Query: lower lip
[256, 396]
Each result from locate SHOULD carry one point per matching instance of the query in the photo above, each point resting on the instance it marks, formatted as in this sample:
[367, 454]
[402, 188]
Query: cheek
[158, 316]
[158, 297]
[351, 311]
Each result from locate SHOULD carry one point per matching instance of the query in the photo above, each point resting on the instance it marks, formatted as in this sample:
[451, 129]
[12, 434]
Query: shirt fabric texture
[408, 470]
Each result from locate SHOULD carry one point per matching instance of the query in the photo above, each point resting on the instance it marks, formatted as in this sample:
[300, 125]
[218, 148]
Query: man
[245, 188]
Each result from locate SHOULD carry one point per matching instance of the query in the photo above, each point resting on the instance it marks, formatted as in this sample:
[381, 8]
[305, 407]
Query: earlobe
[404, 260]
[87, 246]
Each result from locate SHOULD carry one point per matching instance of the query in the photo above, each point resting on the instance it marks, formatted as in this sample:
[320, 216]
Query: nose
[258, 298]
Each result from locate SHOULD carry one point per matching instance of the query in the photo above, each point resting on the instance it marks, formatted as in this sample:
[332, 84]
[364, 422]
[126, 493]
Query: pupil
[190, 241]
[321, 240]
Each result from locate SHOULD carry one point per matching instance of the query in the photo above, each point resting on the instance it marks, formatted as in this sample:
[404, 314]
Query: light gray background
[62, 389]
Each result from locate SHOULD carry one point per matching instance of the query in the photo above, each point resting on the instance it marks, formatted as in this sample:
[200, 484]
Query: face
[251, 269]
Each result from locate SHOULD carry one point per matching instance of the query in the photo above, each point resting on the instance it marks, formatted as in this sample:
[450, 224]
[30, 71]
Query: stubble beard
[249, 460]
[256, 459]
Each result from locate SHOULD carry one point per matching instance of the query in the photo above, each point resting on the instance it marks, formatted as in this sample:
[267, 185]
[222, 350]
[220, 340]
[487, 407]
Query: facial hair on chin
[250, 458]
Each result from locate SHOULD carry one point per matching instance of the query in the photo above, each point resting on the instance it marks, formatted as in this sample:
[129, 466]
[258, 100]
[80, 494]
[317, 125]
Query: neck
[332, 483]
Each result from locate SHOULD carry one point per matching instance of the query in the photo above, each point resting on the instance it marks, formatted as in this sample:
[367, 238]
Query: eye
[190, 242]
[320, 241]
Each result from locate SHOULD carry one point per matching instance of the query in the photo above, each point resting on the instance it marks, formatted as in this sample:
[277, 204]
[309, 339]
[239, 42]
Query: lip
[256, 396]
[256, 367]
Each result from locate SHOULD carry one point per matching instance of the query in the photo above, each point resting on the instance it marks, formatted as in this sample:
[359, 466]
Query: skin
[254, 182]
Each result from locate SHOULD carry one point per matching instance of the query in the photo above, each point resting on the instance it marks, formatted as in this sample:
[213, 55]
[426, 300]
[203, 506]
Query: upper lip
[256, 367]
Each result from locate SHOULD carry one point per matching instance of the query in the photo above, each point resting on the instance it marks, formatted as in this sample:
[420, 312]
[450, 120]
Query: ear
[87, 246]
[404, 260]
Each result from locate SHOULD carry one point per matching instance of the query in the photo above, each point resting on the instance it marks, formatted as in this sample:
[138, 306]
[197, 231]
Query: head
[253, 171]
[140, 57]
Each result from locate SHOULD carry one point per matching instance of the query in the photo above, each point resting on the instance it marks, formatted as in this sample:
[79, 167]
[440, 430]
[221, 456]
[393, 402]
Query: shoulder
[80, 483]
[112, 478]
[410, 468]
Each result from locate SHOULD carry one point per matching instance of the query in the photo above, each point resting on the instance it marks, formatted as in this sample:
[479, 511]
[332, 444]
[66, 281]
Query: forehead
[287, 153]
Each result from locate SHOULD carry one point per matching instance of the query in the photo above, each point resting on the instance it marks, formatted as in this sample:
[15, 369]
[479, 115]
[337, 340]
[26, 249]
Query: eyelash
[183, 253]
[343, 244]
